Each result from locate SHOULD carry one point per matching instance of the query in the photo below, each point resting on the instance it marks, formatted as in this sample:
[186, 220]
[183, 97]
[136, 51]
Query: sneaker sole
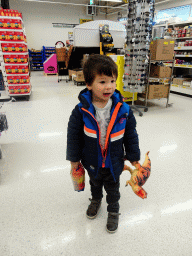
[111, 232]
[93, 217]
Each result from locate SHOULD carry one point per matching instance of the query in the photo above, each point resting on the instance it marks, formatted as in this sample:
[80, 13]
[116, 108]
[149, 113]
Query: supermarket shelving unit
[14, 58]
[37, 60]
[186, 88]
[47, 51]
[164, 80]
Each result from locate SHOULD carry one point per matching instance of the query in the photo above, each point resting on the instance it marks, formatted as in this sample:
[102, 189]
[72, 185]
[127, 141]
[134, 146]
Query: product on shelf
[18, 79]
[23, 89]
[10, 23]
[13, 47]
[20, 69]
[15, 58]
[10, 13]
[180, 32]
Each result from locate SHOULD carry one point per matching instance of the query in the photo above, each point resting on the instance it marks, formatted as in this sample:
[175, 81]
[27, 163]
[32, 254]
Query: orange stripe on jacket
[118, 133]
[89, 130]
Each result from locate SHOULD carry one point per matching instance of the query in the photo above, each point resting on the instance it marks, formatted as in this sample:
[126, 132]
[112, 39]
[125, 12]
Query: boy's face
[102, 88]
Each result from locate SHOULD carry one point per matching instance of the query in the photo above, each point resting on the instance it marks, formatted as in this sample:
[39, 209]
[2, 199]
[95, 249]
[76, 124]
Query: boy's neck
[100, 104]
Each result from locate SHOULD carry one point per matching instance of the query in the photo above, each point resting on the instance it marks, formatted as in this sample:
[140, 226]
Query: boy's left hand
[134, 163]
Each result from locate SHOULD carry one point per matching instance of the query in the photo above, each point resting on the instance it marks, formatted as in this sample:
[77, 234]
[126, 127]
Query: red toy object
[78, 178]
[139, 176]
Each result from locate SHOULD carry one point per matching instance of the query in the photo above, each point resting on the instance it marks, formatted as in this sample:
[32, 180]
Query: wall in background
[38, 19]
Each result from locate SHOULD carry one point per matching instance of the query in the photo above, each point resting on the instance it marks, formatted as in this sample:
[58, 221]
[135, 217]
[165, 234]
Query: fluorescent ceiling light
[117, 1]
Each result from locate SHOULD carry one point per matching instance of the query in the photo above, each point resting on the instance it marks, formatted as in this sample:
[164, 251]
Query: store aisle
[41, 214]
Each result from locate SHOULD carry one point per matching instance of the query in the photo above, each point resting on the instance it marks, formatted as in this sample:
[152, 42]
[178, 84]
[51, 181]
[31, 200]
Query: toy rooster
[139, 176]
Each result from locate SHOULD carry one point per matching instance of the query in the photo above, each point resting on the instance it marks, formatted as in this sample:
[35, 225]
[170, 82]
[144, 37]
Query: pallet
[49, 74]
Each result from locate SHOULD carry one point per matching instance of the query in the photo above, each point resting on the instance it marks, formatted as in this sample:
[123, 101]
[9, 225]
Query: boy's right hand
[74, 165]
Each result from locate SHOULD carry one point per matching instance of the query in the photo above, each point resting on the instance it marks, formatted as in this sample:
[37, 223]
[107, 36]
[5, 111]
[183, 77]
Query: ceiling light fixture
[117, 1]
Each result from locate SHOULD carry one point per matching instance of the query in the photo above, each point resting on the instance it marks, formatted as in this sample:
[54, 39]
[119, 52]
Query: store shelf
[15, 53]
[19, 94]
[13, 42]
[153, 61]
[37, 60]
[180, 23]
[183, 48]
[185, 56]
[11, 18]
[26, 74]
[181, 89]
[159, 25]
[13, 29]
[19, 85]
[181, 38]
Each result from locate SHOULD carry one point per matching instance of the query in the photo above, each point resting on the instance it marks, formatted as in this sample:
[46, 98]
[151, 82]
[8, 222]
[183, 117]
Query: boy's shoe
[112, 222]
[93, 208]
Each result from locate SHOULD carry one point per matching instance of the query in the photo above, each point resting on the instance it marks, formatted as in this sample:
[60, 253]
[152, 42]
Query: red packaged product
[17, 69]
[18, 36]
[18, 79]
[16, 58]
[10, 36]
[13, 47]
[3, 35]
[20, 89]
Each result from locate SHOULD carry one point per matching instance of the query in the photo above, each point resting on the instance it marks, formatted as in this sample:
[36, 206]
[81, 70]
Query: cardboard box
[160, 71]
[77, 75]
[162, 49]
[156, 91]
[179, 81]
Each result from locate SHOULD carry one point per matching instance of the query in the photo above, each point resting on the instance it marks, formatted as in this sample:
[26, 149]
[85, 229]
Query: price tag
[172, 42]
[186, 55]
[190, 66]
[151, 42]
[179, 47]
[166, 43]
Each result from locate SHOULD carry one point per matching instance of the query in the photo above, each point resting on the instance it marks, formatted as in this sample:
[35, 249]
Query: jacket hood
[85, 97]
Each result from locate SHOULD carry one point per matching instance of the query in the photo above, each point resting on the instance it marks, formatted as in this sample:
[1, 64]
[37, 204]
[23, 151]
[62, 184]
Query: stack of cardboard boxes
[160, 50]
[77, 74]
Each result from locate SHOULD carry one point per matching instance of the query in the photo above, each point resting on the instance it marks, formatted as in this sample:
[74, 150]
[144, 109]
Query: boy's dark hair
[97, 64]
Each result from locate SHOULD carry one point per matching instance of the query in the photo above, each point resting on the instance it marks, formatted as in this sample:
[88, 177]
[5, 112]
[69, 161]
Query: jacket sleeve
[75, 136]
[131, 140]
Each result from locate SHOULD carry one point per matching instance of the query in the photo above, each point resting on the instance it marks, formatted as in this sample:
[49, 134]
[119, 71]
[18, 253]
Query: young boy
[102, 134]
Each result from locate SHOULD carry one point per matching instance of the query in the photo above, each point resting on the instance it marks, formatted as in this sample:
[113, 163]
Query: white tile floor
[41, 214]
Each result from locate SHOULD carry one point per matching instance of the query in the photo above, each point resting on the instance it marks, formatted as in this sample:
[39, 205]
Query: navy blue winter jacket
[83, 136]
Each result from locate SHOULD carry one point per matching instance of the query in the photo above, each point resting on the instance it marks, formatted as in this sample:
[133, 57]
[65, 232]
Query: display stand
[182, 33]
[50, 65]
[161, 81]
[47, 52]
[14, 57]
[139, 28]
[37, 60]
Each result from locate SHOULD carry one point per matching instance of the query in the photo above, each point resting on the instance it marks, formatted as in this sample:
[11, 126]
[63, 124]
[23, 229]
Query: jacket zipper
[104, 151]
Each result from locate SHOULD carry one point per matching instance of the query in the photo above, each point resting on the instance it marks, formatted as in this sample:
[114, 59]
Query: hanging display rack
[138, 38]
